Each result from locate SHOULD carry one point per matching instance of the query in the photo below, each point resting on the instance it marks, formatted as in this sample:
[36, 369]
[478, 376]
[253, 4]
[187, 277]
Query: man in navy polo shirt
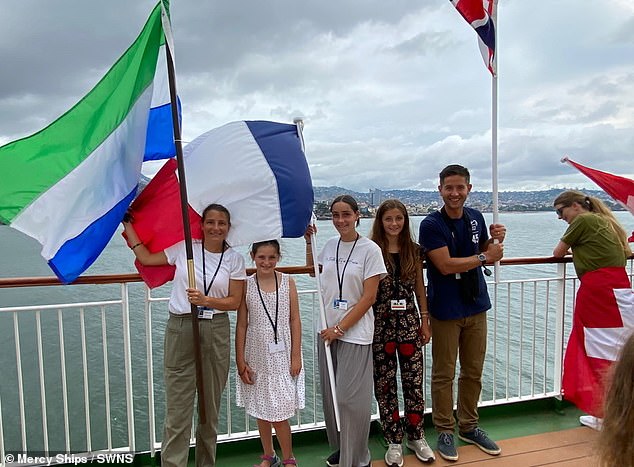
[457, 246]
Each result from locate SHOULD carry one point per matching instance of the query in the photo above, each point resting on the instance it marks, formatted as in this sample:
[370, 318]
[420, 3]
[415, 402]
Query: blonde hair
[615, 444]
[598, 207]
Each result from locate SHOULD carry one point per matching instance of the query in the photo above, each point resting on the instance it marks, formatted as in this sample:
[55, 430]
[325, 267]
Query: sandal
[289, 461]
[273, 460]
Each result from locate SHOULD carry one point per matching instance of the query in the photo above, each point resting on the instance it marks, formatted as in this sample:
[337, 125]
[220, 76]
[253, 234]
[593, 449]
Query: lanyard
[277, 304]
[396, 275]
[202, 247]
[457, 242]
[343, 273]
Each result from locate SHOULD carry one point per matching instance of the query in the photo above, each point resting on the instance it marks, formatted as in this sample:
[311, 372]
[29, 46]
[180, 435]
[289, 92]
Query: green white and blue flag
[69, 184]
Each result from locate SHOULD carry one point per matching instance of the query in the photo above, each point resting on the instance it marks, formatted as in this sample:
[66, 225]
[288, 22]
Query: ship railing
[81, 365]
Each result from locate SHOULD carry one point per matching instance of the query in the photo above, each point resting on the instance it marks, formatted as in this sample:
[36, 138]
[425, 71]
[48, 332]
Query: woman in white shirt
[220, 274]
[352, 266]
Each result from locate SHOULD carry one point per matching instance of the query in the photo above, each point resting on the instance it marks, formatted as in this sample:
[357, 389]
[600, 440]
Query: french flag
[256, 169]
[480, 15]
[159, 140]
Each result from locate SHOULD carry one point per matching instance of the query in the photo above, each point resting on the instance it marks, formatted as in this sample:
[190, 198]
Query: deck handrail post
[127, 360]
[559, 329]
[2, 453]
[150, 371]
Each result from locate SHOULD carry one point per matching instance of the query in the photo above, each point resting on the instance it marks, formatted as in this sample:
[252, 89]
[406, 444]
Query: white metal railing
[85, 375]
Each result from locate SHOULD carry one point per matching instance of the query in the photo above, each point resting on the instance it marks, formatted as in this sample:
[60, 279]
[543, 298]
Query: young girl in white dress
[268, 353]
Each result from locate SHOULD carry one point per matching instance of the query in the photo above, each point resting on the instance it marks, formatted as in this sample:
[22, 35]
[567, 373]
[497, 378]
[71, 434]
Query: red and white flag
[603, 320]
[619, 188]
[480, 14]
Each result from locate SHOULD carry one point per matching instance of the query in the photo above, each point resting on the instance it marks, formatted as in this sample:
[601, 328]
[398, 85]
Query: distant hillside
[430, 200]
[508, 200]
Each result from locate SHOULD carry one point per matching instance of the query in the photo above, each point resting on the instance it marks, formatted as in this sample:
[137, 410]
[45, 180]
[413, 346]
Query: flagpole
[494, 133]
[324, 325]
[299, 122]
[494, 159]
[191, 277]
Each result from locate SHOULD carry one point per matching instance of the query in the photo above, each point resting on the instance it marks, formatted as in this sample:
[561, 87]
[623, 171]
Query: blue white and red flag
[159, 140]
[256, 169]
[480, 14]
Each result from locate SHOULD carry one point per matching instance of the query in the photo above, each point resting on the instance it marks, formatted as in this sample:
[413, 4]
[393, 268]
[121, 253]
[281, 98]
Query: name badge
[398, 305]
[340, 305]
[205, 313]
[275, 348]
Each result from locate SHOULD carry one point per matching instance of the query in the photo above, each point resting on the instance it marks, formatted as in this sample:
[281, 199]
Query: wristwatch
[482, 258]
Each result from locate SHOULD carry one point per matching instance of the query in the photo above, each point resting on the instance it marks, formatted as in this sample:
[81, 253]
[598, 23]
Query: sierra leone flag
[69, 184]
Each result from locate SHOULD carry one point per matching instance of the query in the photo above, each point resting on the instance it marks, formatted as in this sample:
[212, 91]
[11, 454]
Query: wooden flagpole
[184, 210]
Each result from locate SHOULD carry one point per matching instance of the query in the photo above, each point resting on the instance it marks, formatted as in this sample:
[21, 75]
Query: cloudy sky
[391, 91]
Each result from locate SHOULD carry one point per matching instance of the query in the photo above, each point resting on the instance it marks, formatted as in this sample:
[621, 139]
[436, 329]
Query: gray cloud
[390, 91]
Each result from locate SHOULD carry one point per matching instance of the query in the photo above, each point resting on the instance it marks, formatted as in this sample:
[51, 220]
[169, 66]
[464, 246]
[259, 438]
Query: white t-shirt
[366, 261]
[232, 267]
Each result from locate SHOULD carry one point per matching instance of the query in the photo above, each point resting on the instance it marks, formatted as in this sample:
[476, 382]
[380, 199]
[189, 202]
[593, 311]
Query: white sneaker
[421, 449]
[394, 455]
[591, 421]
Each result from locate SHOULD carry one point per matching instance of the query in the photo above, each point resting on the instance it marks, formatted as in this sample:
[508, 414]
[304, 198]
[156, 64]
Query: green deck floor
[500, 422]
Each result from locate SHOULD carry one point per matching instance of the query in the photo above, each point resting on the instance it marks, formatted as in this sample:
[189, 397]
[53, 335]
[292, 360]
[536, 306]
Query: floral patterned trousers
[397, 343]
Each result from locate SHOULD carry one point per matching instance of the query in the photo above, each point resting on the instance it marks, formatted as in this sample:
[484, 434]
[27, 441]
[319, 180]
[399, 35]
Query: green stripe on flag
[30, 166]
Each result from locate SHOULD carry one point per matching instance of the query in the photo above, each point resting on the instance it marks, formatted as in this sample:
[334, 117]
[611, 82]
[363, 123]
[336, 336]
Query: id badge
[398, 305]
[205, 313]
[275, 348]
[340, 305]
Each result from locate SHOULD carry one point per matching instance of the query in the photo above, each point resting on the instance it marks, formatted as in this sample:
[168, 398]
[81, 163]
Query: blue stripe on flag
[291, 173]
[77, 254]
[487, 34]
[159, 142]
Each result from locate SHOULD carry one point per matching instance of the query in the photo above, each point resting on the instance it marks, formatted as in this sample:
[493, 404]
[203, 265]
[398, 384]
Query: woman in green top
[604, 309]
[595, 236]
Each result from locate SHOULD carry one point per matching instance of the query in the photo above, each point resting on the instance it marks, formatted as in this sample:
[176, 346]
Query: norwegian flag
[480, 15]
[619, 188]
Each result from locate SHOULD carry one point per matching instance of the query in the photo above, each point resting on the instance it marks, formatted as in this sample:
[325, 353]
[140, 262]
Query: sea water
[529, 234]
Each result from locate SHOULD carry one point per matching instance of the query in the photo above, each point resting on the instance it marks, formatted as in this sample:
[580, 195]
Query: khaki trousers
[180, 387]
[466, 339]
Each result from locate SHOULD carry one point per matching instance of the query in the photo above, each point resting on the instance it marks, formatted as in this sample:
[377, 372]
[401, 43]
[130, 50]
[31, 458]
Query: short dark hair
[454, 169]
